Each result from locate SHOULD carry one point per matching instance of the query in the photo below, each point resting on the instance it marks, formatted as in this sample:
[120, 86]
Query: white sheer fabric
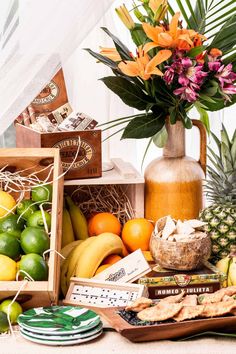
[55, 31]
[44, 34]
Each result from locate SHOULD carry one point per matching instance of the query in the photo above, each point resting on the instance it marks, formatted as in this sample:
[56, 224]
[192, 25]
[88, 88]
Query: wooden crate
[124, 175]
[88, 163]
[38, 293]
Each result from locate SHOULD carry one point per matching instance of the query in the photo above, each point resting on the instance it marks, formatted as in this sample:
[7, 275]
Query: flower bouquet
[181, 61]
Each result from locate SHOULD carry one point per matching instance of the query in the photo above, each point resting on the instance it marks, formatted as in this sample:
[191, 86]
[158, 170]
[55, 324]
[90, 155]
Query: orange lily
[125, 17]
[142, 66]
[159, 8]
[175, 37]
[110, 53]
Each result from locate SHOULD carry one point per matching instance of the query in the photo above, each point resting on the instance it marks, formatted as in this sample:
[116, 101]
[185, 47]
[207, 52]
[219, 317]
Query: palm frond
[208, 16]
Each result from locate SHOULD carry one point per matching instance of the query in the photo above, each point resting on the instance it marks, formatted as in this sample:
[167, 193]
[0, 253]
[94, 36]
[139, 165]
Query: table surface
[113, 343]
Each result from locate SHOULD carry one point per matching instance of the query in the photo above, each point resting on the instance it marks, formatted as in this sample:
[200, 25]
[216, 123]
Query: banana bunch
[78, 220]
[227, 265]
[85, 257]
[67, 229]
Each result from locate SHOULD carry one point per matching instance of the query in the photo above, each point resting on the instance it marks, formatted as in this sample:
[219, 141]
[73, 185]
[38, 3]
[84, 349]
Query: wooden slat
[43, 292]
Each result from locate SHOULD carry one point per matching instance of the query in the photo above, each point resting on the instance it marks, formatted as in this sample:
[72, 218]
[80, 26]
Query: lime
[34, 265]
[4, 325]
[14, 310]
[7, 268]
[7, 203]
[42, 193]
[11, 225]
[25, 208]
[9, 246]
[34, 240]
[36, 219]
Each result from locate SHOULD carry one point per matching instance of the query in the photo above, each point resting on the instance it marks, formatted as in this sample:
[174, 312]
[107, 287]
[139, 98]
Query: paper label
[127, 269]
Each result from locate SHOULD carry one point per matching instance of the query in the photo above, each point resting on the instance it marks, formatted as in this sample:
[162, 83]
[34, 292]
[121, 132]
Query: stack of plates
[60, 325]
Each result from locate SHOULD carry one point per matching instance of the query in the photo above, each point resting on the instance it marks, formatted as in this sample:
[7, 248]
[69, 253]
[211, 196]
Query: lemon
[4, 325]
[7, 268]
[14, 310]
[7, 203]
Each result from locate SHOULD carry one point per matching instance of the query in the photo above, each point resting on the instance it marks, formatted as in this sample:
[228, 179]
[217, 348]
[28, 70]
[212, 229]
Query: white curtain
[55, 31]
[39, 36]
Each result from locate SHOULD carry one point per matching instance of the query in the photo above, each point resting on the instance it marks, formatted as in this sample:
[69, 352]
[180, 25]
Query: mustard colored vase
[174, 182]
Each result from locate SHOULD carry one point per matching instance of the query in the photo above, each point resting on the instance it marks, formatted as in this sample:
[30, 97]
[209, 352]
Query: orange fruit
[113, 258]
[104, 222]
[102, 268]
[136, 234]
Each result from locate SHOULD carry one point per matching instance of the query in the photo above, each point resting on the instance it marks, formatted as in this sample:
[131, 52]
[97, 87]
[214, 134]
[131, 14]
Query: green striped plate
[58, 320]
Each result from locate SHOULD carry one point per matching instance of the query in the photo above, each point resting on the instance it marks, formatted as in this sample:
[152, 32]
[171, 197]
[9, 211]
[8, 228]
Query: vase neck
[175, 145]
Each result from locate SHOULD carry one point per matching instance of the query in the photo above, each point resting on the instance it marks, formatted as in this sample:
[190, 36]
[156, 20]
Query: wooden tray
[165, 330]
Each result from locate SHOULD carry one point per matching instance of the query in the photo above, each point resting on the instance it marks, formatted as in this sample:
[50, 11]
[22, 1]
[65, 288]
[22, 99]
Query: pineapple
[221, 191]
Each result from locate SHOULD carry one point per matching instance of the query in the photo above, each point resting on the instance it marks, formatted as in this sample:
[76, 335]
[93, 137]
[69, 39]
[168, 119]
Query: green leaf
[129, 93]
[143, 127]
[206, 98]
[145, 152]
[225, 38]
[188, 123]
[112, 64]
[121, 48]
[203, 116]
[183, 12]
[200, 14]
[138, 35]
[196, 51]
[160, 138]
[224, 137]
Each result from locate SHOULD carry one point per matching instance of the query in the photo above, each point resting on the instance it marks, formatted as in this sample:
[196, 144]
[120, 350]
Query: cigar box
[88, 162]
[164, 282]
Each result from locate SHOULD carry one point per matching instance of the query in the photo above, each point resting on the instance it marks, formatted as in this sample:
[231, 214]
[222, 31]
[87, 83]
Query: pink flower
[229, 89]
[186, 93]
[214, 65]
[169, 76]
[226, 75]
[193, 74]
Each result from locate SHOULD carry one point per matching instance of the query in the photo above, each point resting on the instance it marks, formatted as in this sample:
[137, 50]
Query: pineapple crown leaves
[221, 183]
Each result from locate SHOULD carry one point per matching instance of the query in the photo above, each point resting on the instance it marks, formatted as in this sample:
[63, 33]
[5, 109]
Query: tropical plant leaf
[143, 127]
[138, 35]
[203, 116]
[145, 152]
[225, 38]
[121, 48]
[112, 64]
[196, 51]
[200, 16]
[129, 93]
[160, 138]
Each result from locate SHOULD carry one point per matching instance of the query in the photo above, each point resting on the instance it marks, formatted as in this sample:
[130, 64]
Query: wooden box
[123, 175]
[38, 293]
[165, 282]
[88, 162]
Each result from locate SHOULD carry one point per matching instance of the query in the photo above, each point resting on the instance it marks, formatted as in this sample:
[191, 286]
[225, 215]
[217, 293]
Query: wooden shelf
[122, 173]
